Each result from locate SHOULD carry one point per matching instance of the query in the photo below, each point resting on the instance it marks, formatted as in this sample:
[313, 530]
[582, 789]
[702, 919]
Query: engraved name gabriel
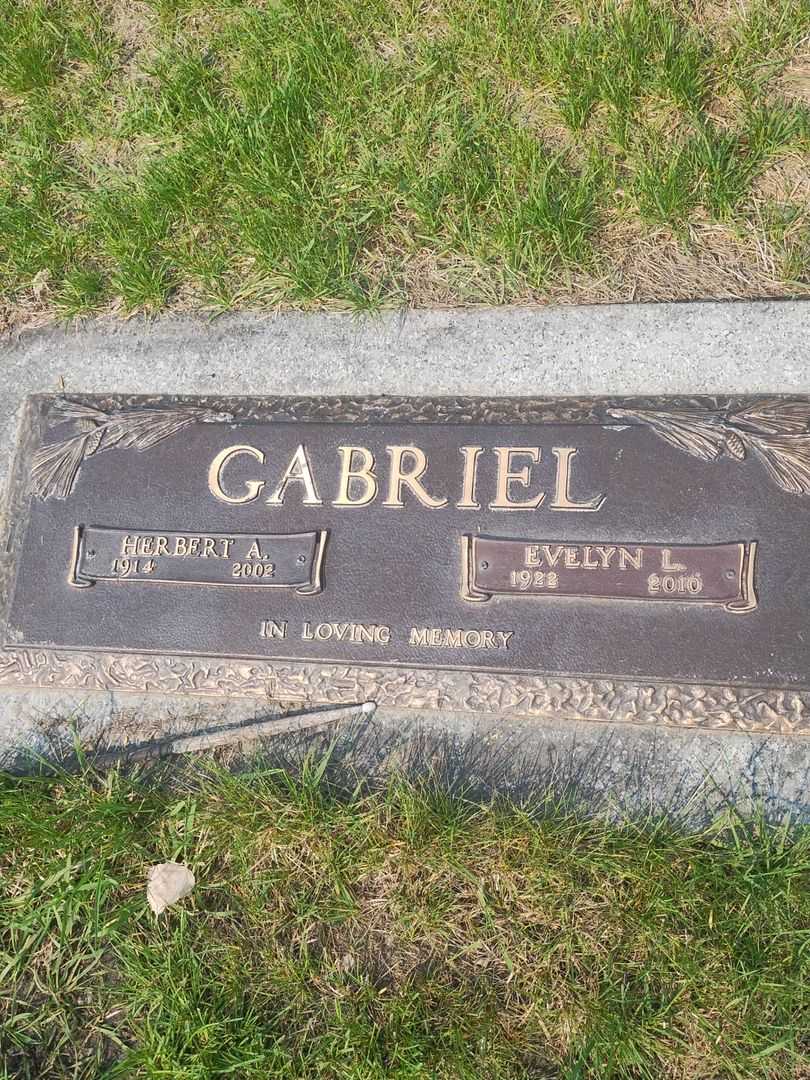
[776, 432]
[361, 479]
[56, 465]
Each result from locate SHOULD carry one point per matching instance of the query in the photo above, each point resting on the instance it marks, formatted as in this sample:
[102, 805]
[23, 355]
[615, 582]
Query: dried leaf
[94, 441]
[167, 883]
[40, 284]
[787, 459]
[56, 466]
[775, 417]
[143, 429]
[700, 434]
[77, 411]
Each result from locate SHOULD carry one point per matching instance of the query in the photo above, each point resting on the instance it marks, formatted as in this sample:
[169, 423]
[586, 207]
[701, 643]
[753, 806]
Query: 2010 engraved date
[688, 573]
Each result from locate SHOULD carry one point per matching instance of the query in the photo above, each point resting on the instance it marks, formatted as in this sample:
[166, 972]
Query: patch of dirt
[29, 309]
[717, 17]
[427, 278]
[96, 158]
[794, 82]
[727, 110]
[535, 110]
[788, 180]
[133, 25]
[413, 30]
[388, 49]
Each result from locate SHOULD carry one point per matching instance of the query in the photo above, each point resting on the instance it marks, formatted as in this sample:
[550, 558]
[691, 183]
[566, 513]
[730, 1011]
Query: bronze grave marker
[641, 560]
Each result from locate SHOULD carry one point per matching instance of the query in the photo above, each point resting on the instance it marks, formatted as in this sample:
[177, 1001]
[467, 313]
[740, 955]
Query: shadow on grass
[628, 774]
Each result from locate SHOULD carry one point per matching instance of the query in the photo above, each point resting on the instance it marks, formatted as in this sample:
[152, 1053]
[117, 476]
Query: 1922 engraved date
[688, 573]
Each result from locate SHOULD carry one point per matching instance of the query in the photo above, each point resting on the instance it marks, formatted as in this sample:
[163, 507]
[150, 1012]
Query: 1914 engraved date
[269, 560]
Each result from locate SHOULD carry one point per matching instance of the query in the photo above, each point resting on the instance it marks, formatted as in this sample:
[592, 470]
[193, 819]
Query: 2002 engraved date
[269, 560]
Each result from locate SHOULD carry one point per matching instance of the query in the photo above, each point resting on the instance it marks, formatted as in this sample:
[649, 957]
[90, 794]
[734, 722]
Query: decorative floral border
[743, 709]
[56, 465]
[774, 430]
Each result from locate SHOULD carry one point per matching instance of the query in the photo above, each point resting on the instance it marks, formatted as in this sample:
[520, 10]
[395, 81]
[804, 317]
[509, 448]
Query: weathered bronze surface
[614, 559]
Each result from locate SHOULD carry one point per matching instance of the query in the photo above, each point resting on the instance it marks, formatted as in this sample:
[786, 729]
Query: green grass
[396, 934]
[360, 153]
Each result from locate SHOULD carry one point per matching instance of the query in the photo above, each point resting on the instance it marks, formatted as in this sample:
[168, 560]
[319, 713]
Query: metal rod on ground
[237, 734]
[185, 744]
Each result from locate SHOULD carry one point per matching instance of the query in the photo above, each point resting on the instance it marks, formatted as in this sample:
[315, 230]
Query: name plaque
[607, 559]
[281, 560]
[707, 574]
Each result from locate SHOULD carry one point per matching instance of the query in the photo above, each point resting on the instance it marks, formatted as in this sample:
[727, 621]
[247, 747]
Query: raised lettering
[352, 474]
[605, 555]
[508, 476]
[254, 551]
[666, 561]
[400, 477]
[253, 487]
[532, 556]
[297, 472]
[572, 558]
[562, 498]
[470, 455]
[552, 554]
[625, 557]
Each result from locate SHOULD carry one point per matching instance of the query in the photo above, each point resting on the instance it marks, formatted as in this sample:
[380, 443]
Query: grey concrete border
[634, 349]
[612, 349]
